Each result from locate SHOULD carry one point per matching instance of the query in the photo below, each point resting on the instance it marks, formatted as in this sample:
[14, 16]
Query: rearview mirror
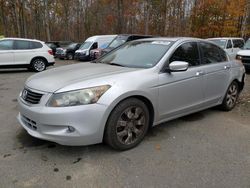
[178, 66]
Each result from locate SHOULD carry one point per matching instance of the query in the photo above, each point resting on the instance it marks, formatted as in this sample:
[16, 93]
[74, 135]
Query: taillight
[50, 52]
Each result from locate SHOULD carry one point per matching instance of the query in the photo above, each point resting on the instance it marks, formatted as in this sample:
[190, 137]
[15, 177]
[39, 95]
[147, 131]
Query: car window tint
[212, 53]
[35, 45]
[238, 43]
[6, 45]
[187, 52]
[22, 45]
[229, 44]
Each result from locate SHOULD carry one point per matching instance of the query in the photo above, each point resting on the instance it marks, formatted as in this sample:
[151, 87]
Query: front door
[181, 92]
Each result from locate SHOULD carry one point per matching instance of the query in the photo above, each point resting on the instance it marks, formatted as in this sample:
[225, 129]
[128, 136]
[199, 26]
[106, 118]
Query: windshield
[85, 45]
[118, 41]
[137, 54]
[247, 45]
[220, 42]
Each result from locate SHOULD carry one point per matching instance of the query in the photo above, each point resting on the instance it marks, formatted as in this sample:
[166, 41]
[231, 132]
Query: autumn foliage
[78, 19]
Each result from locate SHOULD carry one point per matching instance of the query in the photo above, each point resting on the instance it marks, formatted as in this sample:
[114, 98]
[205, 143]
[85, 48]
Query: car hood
[81, 50]
[57, 78]
[244, 52]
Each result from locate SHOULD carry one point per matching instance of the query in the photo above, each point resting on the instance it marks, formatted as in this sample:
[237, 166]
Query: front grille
[31, 97]
[245, 61]
[29, 123]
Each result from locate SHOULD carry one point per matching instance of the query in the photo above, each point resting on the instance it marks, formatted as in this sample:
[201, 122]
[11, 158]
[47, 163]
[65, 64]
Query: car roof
[225, 38]
[173, 39]
[25, 39]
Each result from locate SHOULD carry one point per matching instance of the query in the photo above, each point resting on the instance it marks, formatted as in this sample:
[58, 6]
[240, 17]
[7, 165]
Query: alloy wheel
[232, 95]
[131, 125]
[39, 65]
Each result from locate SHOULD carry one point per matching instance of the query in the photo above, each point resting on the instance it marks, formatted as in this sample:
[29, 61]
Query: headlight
[78, 97]
[238, 57]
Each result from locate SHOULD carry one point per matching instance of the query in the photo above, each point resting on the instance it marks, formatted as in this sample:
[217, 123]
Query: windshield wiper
[116, 64]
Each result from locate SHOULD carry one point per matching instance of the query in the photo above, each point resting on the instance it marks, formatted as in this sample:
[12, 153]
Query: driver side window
[187, 52]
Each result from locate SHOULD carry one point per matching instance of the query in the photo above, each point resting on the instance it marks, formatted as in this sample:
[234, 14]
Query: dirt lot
[206, 149]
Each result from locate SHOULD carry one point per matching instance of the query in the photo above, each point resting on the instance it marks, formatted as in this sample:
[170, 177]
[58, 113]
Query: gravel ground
[206, 149]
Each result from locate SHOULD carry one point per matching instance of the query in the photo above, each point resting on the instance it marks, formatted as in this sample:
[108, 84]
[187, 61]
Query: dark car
[53, 47]
[117, 41]
[56, 44]
[121, 39]
[67, 52]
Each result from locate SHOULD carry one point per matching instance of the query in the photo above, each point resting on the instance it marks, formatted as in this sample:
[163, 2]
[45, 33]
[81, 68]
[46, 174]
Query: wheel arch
[38, 57]
[140, 97]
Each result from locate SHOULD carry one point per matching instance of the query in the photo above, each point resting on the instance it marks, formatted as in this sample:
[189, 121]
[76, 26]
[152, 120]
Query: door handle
[199, 73]
[227, 67]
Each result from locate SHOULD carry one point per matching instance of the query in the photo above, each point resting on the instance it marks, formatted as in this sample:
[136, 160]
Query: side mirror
[178, 66]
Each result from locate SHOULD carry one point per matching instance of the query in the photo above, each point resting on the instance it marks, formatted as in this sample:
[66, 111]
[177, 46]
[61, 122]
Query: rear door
[217, 72]
[229, 48]
[6, 52]
[23, 52]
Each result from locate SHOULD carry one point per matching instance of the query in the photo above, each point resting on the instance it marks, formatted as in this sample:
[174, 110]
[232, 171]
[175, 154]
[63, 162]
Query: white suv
[230, 45]
[18, 53]
[244, 55]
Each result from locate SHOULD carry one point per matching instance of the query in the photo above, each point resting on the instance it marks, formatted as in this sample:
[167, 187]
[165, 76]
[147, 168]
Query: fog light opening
[70, 129]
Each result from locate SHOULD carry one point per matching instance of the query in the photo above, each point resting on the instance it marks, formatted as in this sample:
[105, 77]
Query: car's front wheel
[231, 97]
[70, 56]
[127, 124]
[38, 65]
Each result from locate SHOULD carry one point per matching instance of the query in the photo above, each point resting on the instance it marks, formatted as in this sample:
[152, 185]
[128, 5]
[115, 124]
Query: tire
[127, 125]
[38, 65]
[70, 56]
[231, 97]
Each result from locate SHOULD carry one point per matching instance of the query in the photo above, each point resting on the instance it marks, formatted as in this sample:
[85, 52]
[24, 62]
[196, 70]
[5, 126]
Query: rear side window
[36, 45]
[212, 53]
[26, 45]
[22, 45]
[187, 52]
[6, 45]
[238, 43]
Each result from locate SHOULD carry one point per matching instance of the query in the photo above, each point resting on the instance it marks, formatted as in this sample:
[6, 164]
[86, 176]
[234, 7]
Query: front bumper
[246, 62]
[47, 123]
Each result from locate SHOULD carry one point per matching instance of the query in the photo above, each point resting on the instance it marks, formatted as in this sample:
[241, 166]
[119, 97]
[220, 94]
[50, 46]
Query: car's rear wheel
[38, 65]
[231, 97]
[127, 124]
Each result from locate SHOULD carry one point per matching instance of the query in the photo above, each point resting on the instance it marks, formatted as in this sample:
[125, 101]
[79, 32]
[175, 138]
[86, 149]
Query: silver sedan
[119, 96]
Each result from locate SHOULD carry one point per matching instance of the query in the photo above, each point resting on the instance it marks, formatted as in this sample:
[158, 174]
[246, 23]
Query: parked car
[121, 39]
[83, 54]
[27, 53]
[67, 52]
[53, 47]
[57, 44]
[230, 45]
[244, 55]
[138, 85]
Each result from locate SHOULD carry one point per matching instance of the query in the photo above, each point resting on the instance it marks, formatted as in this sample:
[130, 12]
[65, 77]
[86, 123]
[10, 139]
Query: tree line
[76, 20]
